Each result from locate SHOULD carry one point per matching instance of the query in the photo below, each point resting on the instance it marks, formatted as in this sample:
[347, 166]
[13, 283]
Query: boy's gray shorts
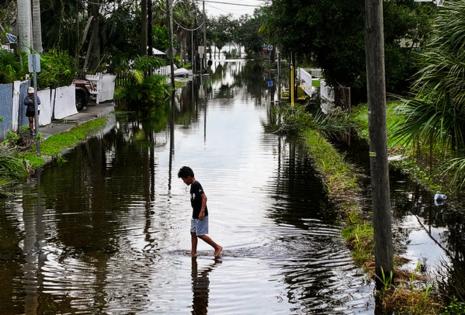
[199, 227]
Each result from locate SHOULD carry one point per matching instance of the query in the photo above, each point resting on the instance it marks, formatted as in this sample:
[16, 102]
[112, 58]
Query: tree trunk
[37, 26]
[25, 25]
[143, 34]
[149, 28]
[94, 42]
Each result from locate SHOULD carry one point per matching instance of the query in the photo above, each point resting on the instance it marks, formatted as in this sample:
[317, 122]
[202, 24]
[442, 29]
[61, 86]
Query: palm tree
[36, 26]
[24, 25]
[436, 113]
[437, 110]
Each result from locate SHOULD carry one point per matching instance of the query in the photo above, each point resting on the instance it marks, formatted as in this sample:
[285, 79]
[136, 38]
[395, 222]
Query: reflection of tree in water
[187, 104]
[91, 194]
[11, 259]
[251, 76]
[299, 192]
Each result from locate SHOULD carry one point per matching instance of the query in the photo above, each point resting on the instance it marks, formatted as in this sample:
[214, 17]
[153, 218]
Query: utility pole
[204, 36]
[278, 81]
[291, 81]
[169, 10]
[376, 92]
[192, 53]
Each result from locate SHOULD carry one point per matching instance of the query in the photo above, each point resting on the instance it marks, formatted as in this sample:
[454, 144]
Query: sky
[215, 9]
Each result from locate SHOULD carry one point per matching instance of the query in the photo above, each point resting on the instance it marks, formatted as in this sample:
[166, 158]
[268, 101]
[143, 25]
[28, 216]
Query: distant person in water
[199, 222]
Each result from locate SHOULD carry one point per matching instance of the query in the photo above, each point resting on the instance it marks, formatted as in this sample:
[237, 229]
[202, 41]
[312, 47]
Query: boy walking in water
[199, 222]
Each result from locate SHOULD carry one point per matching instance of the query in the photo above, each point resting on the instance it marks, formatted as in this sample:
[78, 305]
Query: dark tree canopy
[330, 34]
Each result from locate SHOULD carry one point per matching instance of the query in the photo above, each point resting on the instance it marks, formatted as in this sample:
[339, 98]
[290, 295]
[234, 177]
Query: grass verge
[416, 161]
[51, 148]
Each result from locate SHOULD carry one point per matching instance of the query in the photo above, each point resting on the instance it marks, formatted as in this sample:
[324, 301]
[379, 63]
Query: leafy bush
[454, 308]
[140, 89]
[57, 69]
[290, 120]
[147, 63]
[143, 91]
[11, 166]
[10, 67]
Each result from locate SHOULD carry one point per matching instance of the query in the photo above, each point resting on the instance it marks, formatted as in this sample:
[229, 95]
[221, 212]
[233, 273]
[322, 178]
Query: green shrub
[290, 120]
[57, 69]
[10, 67]
[143, 91]
[147, 63]
[11, 166]
[454, 308]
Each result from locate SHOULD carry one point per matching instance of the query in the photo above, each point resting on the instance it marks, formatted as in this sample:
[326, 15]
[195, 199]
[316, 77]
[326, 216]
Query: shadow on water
[108, 231]
[429, 234]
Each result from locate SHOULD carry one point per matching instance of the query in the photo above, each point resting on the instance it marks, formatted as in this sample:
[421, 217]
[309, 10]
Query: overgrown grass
[416, 160]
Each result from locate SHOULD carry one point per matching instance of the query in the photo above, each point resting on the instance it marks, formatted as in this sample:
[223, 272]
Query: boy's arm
[204, 205]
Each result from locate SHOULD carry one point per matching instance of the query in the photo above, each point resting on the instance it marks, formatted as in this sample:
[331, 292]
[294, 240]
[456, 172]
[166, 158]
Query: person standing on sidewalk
[30, 108]
[199, 222]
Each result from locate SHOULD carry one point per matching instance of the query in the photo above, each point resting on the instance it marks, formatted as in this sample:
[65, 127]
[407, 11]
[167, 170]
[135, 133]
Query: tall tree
[143, 33]
[25, 25]
[36, 26]
[94, 49]
[331, 35]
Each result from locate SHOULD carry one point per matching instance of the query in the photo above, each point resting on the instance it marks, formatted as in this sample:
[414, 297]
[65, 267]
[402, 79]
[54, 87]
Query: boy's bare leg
[194, 245]
[218, 248]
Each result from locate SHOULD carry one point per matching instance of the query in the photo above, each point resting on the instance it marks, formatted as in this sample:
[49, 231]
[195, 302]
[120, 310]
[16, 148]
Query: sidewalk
[65, 124]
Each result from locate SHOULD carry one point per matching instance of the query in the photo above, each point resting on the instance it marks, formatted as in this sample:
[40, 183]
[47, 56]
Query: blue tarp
[6, 107]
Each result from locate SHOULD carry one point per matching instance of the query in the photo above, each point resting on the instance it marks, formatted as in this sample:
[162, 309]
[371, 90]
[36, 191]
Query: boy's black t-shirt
[196, 199]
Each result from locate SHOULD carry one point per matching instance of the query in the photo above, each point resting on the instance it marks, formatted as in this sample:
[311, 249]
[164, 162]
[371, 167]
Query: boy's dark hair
[185, 171]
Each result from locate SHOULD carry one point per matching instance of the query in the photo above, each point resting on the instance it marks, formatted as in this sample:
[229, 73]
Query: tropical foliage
[144, 89]
[10, 67]
[436, 112]
[57, 69]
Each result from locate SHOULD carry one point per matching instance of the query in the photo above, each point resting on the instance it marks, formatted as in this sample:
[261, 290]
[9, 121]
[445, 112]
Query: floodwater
[107, 232]
[429, 234]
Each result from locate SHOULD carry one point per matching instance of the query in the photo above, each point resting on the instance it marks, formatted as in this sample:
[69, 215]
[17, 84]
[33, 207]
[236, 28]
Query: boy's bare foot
[218, 251]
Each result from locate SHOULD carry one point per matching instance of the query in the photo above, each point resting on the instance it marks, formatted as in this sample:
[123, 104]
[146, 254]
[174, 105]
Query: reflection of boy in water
[199, 222]
[200, 288]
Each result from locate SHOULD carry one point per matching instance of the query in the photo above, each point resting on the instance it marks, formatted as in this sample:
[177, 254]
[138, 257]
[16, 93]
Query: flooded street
[107, 232]
[430, 235]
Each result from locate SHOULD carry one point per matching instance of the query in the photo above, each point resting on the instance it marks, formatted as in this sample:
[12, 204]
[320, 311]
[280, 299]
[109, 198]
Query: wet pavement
[107, 232]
